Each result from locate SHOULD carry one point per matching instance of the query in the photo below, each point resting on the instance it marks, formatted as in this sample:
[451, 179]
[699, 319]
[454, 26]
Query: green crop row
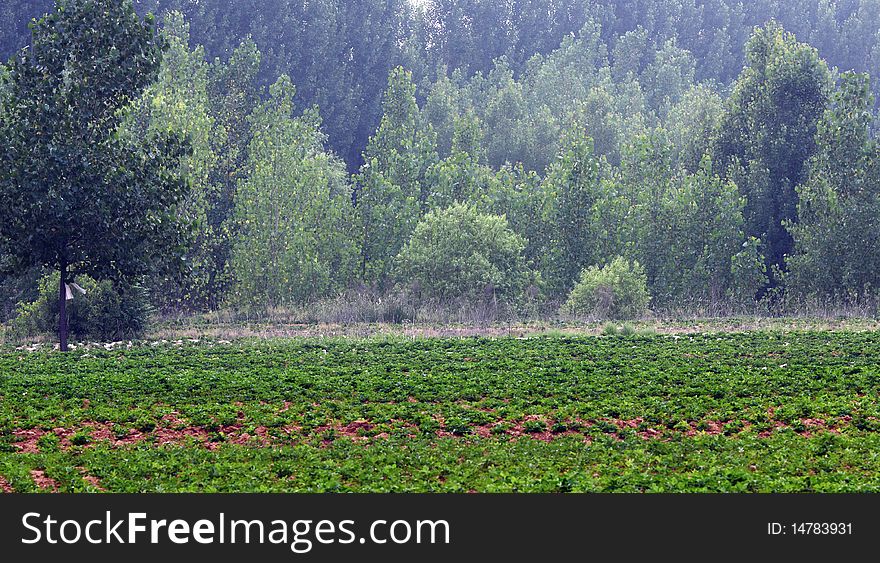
[699, 412]
[783, 463]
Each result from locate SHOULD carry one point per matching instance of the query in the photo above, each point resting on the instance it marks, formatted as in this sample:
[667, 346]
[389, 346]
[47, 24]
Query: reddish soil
[27, 440]
[5, 487]
[43, 481]
[91, 479]
[175, 431]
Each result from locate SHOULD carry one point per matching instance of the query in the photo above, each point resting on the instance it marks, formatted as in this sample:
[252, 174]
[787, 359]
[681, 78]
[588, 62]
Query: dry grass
[269, 329]
[367, 315]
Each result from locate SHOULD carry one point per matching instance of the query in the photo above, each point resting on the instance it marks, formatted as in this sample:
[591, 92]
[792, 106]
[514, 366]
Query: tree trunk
[62, 309]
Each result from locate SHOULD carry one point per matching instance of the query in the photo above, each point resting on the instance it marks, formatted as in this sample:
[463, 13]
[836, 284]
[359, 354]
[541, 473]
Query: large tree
[767, 133]
[178, 102]
[293, 241]
[837, 236]
[392, 188]
[74, 194]
[582, 212]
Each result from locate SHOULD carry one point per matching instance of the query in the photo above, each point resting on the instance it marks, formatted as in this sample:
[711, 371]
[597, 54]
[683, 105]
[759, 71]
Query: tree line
[339, 53]
[492, 170]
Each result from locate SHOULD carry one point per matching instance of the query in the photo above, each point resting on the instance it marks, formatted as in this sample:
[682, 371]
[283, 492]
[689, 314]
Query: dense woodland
[490, 154]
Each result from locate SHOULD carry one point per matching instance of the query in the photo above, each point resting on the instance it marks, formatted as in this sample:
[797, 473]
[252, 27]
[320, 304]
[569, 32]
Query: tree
[462, 177]
[686, 229]
[392, 190]
[460, 253]
[404, 146]
[768, 131]
[630, 54]
[581, 210]
[86, 200]
[446, 102]
[233, 93]
[618, 290]
[668, 76]
[294, 242]
[692, 124]
[519, 196]
[837, 235]
[178, 103]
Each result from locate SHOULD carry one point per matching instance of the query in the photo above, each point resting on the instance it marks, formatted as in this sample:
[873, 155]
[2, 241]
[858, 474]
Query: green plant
[559, 427]
[634, 402]
[457, 425]
[119, 431]
[460, 253]
[628, 330]
[81, 438]
[535, 426]
[107, 311]
[88, 200]
[617, 291]
[48, 442]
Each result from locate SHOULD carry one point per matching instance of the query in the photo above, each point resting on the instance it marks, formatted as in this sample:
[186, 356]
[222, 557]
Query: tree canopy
[77, 196]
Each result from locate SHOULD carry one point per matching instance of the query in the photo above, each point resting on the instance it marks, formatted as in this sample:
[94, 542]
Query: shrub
[618, 291]
[460, 253]
[628, 330]
[105, 312]
[17, 289]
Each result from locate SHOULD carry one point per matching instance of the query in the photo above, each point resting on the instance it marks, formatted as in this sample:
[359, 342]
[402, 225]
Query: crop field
[772, 411]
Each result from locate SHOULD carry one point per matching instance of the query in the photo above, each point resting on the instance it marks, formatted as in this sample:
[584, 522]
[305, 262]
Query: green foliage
[627, 330]
[584, 214]
[391, 190]
[769, 125]
[610, 329]
[178, 104]
[594, 131]
[88, 201]
[404, 146]
[518, 195]
[692, 124]
[17, 289]
[293, 241]
[616, 291]
[459, 253]
[687, 229]
[669, 76]
[837, 250]
[107, 312]
[462, 177]
[403, 412]
[515, 132]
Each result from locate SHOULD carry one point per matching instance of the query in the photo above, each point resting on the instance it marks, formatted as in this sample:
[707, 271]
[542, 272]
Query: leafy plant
[460, 253]
[106, 312]
[616, 291]
[535, 426]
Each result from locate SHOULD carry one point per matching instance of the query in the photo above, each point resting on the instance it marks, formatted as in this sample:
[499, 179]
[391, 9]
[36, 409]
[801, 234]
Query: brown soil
[91, 479]
[174, 432]
[43, 481]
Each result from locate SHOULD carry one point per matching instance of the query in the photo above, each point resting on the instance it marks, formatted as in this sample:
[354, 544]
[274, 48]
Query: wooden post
[62, 309]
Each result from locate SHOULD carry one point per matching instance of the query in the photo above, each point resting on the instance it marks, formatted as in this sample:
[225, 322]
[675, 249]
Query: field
[758, 411]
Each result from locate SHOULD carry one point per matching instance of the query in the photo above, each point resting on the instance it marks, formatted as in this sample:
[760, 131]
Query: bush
[105, 312]
[460, 253]
[618, 291]
[17, 289]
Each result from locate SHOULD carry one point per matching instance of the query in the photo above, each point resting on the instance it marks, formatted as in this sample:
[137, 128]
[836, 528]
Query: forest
[385, 160]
